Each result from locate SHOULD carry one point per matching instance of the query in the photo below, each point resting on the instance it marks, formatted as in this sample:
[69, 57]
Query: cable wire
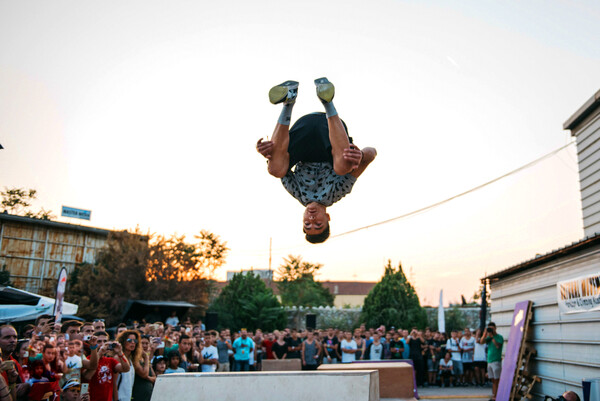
[434, 205]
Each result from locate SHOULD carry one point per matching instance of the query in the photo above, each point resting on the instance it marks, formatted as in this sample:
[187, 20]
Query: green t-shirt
[494, 354]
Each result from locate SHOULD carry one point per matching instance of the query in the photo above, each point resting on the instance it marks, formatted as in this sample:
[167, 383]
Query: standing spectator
[53, 366]
[360, 344]
[43, 325]
[406, 352]
[348, 347]
[294, 346]
[144, 375]
[446, 370]
[467, 344]
[267, 345]
[98, 325]
[223, 347]
[111, 361]
[242, 347]
[173, 362]
[396, 347]
[494, 342]
[12, 377]
[479, 359]
[132, 349]
[172, 320]
[374, 351]
[453, 346]
[311, 351]
[417, 344]
[159, 365]
[87, 330]
[331, 347]
[280, 347]
[209, 356]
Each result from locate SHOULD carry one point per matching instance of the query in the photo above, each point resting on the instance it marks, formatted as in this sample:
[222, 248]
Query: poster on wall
[581, 294]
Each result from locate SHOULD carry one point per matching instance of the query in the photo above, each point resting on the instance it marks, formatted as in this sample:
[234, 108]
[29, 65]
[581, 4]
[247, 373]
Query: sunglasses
[98, 320]
[132, 340]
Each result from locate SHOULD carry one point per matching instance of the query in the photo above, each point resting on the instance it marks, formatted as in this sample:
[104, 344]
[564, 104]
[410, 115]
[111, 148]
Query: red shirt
[101, 384]
[19, 371]
[268, 344]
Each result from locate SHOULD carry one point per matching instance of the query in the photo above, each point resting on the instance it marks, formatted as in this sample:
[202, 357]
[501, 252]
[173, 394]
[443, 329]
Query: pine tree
[393, 302]
[246, 302]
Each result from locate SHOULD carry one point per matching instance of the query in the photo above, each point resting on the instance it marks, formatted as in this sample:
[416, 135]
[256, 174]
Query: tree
[247, 302]
[393, 302]
[297, 285]
[18, 201]
[137, 266]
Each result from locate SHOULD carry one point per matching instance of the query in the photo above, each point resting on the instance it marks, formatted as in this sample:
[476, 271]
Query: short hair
[101, 333]
[26, 328]
[37, 320]
[184, 337]
[492, 324]
[121, 325]
[7, 326]
[69, 323]
[318, 238]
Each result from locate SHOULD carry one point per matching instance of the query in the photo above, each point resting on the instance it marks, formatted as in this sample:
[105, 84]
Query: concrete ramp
[357, 385]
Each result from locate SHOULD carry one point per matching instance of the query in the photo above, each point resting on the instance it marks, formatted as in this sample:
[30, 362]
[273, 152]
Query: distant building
[349, 293]
[564, 285]
[33, 250]
[265, 274]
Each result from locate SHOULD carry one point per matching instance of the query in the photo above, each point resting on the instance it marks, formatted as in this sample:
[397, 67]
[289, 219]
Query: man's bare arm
[368, 155]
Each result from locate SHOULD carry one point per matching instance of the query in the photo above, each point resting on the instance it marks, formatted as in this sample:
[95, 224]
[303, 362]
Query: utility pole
[270, 272]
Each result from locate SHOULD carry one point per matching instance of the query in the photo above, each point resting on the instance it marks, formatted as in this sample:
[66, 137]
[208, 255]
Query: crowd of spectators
[81, 361]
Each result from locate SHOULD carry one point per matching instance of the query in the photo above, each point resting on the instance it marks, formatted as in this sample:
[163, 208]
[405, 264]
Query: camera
[112, 346]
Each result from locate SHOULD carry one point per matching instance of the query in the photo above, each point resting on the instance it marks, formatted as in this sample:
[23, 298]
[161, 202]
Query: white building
[567, 340]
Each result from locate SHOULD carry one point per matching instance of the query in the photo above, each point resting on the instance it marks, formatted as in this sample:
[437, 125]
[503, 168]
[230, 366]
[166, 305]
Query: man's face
[102, 339]
[87, 330]
[244, 334]
[8, 340]
[98, 325]
[315, 219]
[44, 325]
[73, 331]
[49, 354]
[467, 333]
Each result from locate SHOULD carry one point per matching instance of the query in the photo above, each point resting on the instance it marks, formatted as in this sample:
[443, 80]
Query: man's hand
[353, 155]
[264, 148]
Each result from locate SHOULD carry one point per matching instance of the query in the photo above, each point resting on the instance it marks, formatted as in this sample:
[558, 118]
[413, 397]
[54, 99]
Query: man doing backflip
[316, 160]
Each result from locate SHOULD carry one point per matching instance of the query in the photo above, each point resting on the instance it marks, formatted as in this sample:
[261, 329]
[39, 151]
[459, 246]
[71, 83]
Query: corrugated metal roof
[588, 107]
[550, 256]
[50, 223]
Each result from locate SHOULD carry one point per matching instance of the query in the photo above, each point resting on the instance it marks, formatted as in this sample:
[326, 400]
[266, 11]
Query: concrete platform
[355, 385]
[395, 378]
[281, 365]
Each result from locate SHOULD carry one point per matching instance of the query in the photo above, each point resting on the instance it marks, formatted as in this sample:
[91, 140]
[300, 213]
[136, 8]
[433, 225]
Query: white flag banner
[441, 317]
[581, 294]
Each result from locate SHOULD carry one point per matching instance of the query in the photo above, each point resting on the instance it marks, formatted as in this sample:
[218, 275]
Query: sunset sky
[147, 113]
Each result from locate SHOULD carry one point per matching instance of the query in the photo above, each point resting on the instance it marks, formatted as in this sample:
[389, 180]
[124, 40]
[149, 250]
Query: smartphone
[84, 389]
[7, 365]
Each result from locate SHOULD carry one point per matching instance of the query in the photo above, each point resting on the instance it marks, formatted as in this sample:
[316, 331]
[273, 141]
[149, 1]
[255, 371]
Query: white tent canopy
[18, 305]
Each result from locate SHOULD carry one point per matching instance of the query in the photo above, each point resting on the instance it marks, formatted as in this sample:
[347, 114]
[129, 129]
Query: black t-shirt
[330, 343]
[415, 348]
[279, 350]
[293, 343]
[396, 344]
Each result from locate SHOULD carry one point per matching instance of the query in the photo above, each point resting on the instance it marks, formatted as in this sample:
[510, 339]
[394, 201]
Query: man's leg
[337, 134]
[280, 158]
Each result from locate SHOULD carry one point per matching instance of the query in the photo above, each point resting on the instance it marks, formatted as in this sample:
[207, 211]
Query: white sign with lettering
[581, 294]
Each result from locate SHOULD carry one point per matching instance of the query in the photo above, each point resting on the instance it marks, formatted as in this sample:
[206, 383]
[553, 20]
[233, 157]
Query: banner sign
[60, 294]
[581, 294]
[77, 213]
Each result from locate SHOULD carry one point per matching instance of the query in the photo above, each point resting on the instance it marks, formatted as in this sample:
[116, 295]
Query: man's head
[87, 329]
[244, 333]
[315, 223]
[43, 324]
[8, 339]
[71, 328]
[99, 325]
[570, 396]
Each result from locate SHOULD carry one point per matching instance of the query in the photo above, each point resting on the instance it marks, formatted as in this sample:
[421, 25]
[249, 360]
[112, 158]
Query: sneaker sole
[278, 93]
[325, 90]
